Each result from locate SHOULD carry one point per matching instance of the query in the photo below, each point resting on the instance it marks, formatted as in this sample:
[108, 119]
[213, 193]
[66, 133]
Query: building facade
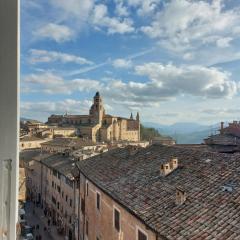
[227, 140]
[160, 193]
[27, 142]
[99, 126]
[51, 185]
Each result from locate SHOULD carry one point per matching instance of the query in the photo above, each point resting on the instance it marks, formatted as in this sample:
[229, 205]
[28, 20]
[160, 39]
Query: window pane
[117, 219]
[98, 201]
[141, 236]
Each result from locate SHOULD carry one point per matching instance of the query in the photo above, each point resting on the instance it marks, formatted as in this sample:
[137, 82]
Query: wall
[9, 98]
[30, 144]
[101, 222]
[65, 210]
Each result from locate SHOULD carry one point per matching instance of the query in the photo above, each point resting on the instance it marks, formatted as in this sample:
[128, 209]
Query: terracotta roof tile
[136, 183]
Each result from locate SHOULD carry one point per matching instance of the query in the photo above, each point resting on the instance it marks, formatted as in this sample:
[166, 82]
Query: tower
[97, 110]
[139, 126]
[131, 116]
[137, 117]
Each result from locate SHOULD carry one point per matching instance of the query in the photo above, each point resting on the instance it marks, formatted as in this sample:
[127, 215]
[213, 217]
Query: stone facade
[27, 142]
[50, 183]
[98, 126]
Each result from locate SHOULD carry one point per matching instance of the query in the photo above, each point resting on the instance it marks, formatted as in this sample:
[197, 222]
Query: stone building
[50, 184]
[99, 126]
[227, 140]
[164, 140]
[32, 142]
[61, 145]
[160, 193]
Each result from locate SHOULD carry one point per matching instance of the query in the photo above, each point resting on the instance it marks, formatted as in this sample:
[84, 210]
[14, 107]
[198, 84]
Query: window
[55, 173]
[98, 200]
[54, 200]
[117, 219]
[82, 205]
[52, 184]
[141, 235]
[62, 194]
[87, 188]
[59, 189]
[87, 227]
[66, 198]
[70, 202]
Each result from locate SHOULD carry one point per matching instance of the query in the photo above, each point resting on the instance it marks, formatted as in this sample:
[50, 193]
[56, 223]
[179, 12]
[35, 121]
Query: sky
[171, 60]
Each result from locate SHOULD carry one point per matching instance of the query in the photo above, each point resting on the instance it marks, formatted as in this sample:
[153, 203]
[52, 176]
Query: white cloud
[113, 25]
[200, 81]
[59, 33]
[39, 56]
[188, 56]
[43, 109]
[224, 42]
[122, 63]
[43, 78]
[74, 8]
[163, 82]
[53, 84]
[184, 24]
[80, 13]
[121, 10]
[144, 7]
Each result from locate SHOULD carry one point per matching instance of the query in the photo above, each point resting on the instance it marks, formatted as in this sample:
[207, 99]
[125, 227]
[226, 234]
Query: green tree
[148, 133]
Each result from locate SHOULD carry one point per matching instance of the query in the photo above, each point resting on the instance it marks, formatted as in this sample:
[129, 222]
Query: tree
[148, 133]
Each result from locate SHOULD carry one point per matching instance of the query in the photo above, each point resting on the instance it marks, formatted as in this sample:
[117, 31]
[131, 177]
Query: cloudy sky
[172, 60]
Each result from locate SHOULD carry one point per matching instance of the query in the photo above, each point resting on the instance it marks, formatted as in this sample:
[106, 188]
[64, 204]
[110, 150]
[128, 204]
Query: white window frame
[140, 229]
[115, 207]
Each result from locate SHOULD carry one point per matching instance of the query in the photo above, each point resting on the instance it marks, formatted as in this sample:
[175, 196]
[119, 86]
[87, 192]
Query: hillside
[148, 133]
[185, 133]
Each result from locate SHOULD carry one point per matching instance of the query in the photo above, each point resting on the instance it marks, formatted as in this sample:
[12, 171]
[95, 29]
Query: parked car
[28, 236]
[26, 230]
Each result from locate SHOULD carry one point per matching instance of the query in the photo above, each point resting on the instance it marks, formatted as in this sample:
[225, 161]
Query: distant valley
[185, 132]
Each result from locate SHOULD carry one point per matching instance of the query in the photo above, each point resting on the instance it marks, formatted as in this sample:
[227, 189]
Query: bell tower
[97, 110]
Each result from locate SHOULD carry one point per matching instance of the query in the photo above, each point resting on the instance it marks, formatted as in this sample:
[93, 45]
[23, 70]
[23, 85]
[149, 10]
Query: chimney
[173, 163]
[165, 169]
[168, 167]
[222, 126]
[132, 150]
[180, 196]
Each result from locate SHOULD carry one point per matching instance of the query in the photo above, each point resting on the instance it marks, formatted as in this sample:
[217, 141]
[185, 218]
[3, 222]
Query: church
[99, 126]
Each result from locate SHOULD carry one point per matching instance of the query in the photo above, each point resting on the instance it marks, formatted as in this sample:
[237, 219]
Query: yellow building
[98, 126]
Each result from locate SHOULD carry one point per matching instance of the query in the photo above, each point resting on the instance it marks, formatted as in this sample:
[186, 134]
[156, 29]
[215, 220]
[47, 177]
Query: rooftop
[60, 163]
[30, 138]
[70, 142]
[134, 181]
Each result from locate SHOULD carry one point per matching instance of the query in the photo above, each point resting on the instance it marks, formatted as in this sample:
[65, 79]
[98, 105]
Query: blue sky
[173, 61]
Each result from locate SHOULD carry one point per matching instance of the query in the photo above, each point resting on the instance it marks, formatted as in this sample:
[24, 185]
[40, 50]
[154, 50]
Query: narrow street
[38, 218]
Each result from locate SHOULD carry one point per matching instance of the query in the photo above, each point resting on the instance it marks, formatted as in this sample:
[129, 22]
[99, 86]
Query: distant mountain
[185, 132]
[23, 119]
